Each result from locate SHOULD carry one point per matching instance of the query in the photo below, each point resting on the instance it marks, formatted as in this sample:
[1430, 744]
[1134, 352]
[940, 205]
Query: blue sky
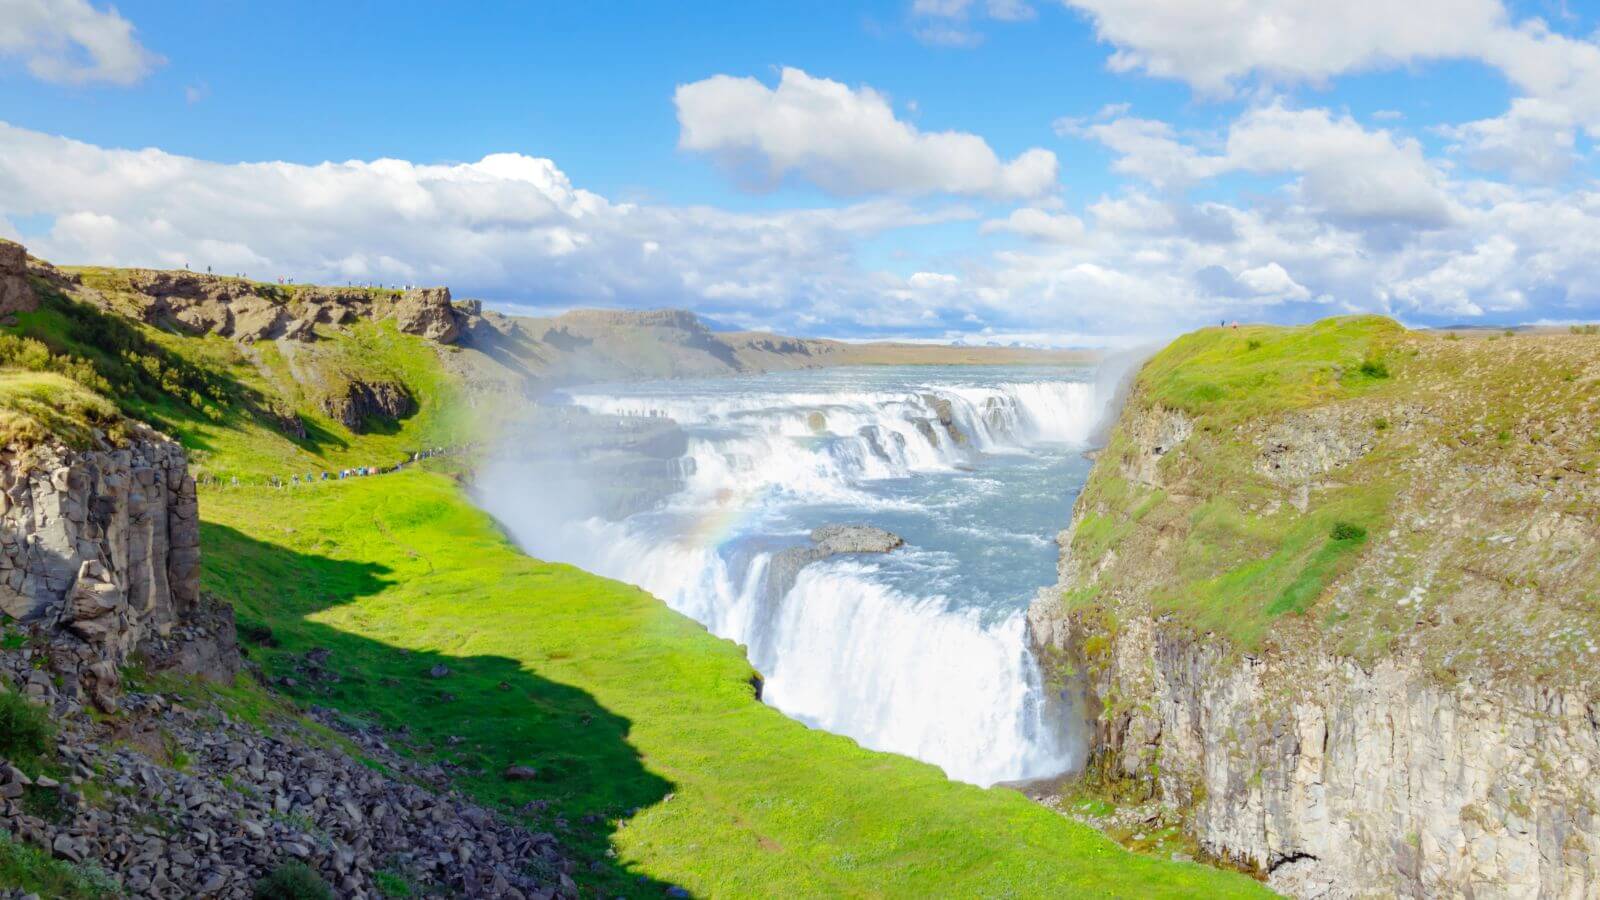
[1062, 172]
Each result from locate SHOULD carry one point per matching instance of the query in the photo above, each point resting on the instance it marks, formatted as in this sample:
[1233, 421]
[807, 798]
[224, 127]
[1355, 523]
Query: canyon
[1325, 597]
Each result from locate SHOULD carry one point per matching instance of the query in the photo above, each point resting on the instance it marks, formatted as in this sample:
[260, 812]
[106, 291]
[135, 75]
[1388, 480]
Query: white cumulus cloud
[1039, 225]
[1350, 172]
[1271, 280]
[1534, 140]
[507, 226]
[73, 42]
[1216, 49]
[1212, 47]
[845, 140]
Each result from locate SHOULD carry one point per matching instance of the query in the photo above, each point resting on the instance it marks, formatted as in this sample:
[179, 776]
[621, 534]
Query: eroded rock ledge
[359, 402]
[16, 294]
[202, 303]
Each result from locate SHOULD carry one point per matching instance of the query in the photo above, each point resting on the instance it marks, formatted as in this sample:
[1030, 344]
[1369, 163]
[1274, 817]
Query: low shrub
[1374, 368]
[257, 633]
[1346, 531]
[292, 881]
[26, 733]
[33, 870]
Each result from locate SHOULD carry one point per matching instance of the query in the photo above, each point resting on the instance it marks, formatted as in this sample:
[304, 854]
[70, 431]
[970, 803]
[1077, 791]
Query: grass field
[644, 728]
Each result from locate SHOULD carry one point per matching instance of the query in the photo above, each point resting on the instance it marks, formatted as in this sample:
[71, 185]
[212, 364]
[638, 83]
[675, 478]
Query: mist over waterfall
[698, 490]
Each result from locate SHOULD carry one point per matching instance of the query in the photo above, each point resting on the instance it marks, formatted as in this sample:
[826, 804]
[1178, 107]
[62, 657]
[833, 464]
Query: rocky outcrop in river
[826, 541]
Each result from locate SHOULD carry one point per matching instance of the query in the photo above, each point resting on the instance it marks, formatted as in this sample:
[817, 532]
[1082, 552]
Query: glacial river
[920, 651]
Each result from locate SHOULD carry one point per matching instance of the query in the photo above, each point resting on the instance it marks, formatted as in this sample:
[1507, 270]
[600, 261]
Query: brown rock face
[16, 295]
[361, 401]
[210, 304]
[102, 547]
[427, 312]
[333, 305]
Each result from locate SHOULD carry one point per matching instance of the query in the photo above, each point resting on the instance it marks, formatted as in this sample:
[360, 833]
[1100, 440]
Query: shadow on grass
[319, 439]
[487, 713]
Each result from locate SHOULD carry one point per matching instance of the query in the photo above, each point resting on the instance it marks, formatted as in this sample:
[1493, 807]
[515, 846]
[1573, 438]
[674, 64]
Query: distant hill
[520, 354]
[589, 345]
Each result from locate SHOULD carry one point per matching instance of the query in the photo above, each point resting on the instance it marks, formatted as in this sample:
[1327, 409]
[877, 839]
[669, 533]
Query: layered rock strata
[99, 550]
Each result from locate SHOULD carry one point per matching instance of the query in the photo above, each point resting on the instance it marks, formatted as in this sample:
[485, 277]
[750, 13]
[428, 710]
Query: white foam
[841, 650]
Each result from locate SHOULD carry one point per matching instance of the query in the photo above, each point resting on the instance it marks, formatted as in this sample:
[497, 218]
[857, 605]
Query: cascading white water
[918, 652]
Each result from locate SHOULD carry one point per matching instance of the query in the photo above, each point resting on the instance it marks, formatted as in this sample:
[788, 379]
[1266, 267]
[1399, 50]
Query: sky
[1061, 172]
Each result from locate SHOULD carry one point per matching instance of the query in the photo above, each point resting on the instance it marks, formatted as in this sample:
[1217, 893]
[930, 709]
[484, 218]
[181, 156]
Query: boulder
[945, 413]
[855, 539]
[283, 419]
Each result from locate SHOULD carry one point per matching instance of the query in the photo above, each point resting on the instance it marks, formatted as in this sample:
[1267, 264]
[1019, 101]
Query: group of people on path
[297, 478]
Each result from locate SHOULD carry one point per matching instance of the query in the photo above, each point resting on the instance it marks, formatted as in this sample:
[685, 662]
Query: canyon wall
[1426, 725]
[1336, 781]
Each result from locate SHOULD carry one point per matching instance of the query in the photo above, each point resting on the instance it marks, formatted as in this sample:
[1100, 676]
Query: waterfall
[868, 647]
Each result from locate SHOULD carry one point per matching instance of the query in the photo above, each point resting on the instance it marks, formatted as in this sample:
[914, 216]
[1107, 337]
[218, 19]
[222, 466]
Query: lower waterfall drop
[921, 651]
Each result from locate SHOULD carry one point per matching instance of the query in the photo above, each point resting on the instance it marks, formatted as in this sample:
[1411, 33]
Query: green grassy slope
[1448, 479]
[1244, 561]
[621, 704]
[215, 395]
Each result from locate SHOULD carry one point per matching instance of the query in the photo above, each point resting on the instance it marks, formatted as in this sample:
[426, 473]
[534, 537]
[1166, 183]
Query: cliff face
[99, 552]
[16, 295]
[1423, 720]
[360, 401]
[248, 311]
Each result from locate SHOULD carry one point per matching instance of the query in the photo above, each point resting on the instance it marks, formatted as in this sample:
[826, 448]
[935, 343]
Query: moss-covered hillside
[251, 411]
[1360, 488]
